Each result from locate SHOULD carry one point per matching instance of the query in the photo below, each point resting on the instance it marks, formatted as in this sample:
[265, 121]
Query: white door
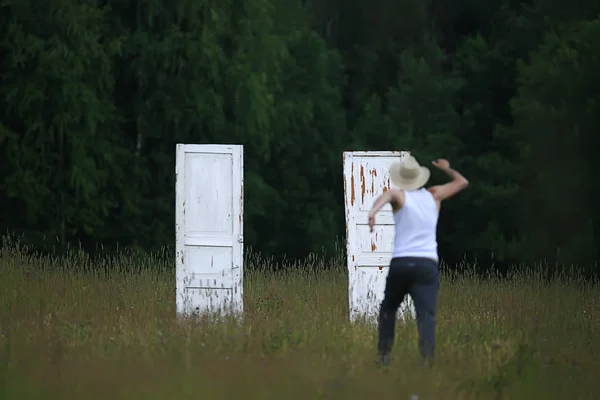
[366, 176]
[209, 228]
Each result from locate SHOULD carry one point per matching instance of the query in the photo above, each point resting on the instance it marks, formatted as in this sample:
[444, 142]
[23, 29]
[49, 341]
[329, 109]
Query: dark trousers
[418, 277]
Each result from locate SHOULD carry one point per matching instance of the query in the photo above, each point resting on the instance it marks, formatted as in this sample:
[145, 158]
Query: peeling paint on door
[368, 253]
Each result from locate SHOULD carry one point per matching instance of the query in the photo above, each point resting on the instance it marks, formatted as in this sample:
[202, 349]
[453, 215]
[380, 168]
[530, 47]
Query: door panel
[366, 176]
[209, 228]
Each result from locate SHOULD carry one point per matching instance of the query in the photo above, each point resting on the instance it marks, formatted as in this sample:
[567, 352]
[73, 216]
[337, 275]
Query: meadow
[73, 327]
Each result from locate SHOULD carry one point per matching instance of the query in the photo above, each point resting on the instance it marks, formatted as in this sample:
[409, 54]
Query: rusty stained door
[366, 176]
[209, 228]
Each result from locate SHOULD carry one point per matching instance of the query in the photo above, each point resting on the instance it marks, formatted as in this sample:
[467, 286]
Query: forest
[96, 94]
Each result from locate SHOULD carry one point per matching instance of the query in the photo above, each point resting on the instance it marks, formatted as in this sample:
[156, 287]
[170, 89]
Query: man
[414, 265]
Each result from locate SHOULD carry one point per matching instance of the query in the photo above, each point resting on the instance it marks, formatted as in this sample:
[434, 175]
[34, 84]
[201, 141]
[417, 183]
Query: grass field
[69, 331]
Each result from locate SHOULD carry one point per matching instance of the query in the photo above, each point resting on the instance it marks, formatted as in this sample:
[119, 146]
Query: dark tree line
[95, 94]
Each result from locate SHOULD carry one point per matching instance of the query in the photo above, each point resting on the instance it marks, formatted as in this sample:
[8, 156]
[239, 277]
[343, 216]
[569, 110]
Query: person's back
[414, 265]
[416, 226]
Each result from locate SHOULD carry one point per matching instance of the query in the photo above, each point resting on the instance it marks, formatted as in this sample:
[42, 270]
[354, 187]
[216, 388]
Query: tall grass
[76, 328]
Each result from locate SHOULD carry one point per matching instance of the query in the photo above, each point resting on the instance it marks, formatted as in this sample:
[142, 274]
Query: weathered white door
[209, 228]
[366, 176]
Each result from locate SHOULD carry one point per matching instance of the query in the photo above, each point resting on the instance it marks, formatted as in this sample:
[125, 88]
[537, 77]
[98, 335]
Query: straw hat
[408, 174]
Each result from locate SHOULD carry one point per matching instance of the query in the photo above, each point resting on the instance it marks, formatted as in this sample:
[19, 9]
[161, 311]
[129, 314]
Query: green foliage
[555, 113]
[97, 93]
[59, 144]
